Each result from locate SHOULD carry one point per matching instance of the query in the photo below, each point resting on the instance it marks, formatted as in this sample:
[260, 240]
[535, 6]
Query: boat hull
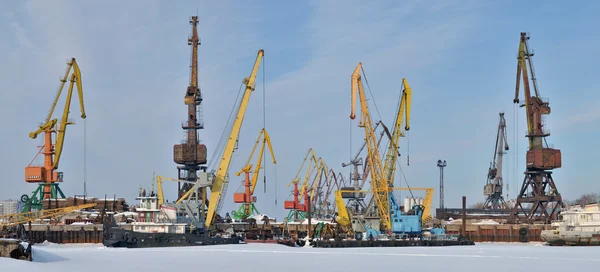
[114, 236]
[571, 238]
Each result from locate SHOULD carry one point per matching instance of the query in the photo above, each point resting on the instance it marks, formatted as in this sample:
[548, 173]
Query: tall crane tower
[190, 154]
[493, 188]
[538, 199]
[379, 182]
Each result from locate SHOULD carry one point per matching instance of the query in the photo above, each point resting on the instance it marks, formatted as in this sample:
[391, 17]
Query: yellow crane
[379, 183]
[248, 208]
[220, 177]
[46, 174]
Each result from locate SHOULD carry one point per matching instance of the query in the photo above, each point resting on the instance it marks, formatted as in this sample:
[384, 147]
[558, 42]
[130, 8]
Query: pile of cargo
[111, 205]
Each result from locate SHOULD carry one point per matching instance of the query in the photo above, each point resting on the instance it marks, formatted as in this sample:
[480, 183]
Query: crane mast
[538, 191]
[493, 188]
[190, 154]
[379, 182]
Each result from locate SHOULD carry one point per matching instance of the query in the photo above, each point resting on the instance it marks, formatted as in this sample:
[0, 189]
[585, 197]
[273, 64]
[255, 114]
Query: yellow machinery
[379, 183]
[215, 189]
[21, 218]
[46, 175]
[160, 194]
[248, 208]
[219, 184]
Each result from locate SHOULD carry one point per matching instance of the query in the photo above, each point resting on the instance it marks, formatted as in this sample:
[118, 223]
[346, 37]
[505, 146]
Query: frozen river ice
[486, 257]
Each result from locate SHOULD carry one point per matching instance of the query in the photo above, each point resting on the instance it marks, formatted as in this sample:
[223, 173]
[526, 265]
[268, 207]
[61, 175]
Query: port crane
[247, 199]
[379, 182]
[324, 209]
[298, 210]
[217, 189]
[218, 180]
[47, 175]
[538, 188]
[315, 188]
[357, 200]
[493, 188]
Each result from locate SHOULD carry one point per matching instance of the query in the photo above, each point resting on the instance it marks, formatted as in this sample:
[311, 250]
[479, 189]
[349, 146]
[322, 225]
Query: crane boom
[215, 188]
[379, 182]
[266, 141]
[403, 114]
[60, 139]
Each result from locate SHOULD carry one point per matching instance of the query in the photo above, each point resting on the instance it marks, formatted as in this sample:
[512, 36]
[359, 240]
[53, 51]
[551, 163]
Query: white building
[9, 207]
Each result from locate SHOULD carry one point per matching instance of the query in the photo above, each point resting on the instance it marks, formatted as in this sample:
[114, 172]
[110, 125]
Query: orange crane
[46, 174]
[298, 210]
[246, 198]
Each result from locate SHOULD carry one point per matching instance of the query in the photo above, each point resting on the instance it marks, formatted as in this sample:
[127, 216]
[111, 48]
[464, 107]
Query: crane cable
[85, 157]
[221, 143]
[516, 153]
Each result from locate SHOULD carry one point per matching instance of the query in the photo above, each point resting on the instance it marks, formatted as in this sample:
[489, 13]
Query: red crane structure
[538, 200]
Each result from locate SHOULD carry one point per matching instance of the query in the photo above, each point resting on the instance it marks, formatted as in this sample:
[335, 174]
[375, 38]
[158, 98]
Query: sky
[458, 56]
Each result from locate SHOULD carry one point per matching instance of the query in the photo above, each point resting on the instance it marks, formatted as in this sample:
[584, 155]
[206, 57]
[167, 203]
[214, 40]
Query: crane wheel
[24, 198]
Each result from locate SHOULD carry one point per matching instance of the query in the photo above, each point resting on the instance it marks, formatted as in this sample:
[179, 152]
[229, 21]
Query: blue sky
[458, 56]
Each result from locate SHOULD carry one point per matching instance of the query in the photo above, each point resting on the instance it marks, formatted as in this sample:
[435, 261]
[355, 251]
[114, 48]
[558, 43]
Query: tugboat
[154, 227]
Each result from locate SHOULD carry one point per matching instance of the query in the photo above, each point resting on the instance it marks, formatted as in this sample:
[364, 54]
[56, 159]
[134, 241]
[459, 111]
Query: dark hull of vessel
[114, 236]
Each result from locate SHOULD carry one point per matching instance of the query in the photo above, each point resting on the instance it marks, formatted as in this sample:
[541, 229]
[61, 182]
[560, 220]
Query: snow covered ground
[267, 257]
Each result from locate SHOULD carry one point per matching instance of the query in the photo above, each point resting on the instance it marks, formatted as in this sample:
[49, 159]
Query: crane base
[34, 202]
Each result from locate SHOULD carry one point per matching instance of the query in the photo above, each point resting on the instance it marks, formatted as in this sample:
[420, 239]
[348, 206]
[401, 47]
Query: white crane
[493, 188]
